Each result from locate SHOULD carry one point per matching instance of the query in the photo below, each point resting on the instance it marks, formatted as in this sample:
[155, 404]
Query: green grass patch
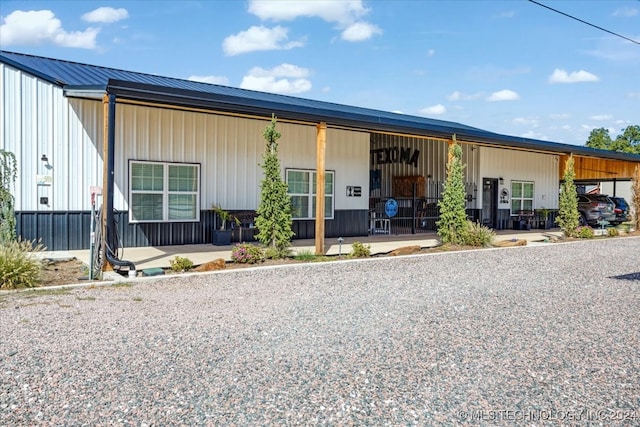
[122, 285]
[305, 255]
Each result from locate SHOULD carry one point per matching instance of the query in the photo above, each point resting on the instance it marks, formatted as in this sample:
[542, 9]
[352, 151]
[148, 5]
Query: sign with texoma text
[382, 156]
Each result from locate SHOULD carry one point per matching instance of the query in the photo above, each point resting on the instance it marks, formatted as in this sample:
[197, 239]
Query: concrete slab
[160, 256]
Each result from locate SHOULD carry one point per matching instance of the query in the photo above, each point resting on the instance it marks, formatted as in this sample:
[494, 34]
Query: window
[164, 192]
[302, 190]
[521, 196]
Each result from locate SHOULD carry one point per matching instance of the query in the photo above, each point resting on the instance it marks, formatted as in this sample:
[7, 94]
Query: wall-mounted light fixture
[501, 181]
[45, 159]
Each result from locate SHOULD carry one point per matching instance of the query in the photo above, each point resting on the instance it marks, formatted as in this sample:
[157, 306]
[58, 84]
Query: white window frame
[522, 198]
[165, 192]
[312, 193]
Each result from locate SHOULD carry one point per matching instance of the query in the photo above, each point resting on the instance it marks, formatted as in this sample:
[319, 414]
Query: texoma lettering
[382, 156]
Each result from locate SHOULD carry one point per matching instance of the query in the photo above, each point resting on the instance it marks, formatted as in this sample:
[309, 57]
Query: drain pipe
[110, 149]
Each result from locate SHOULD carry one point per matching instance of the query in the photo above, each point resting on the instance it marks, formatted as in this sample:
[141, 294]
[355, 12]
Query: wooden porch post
[321, 140]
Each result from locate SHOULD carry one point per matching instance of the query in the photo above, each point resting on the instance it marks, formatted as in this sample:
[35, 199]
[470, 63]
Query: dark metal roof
[148, 87]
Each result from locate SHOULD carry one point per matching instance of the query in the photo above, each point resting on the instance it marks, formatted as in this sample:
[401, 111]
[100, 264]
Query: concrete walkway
[159, 256]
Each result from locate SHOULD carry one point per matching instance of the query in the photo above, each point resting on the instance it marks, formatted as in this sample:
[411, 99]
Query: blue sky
[511, 67]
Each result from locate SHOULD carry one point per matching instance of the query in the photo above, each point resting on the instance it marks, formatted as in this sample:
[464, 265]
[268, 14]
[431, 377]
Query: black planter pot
[221, 237]
[545, 225]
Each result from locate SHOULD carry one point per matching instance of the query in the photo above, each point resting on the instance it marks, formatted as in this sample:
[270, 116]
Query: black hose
[111, 249]
[120, 263]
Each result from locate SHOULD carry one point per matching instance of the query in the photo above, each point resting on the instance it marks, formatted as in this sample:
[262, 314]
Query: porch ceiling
[591, 168]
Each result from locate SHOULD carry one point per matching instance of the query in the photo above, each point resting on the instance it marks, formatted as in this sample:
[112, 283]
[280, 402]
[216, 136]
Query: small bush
[359, 250]
[478, 235]
[612, 232]
[276, 253]
[246, 253]
[584, 232]
[305, 255]
[19, 268]
[180, 264]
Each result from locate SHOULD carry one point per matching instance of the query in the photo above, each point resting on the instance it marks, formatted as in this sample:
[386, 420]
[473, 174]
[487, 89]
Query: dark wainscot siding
[72, 230]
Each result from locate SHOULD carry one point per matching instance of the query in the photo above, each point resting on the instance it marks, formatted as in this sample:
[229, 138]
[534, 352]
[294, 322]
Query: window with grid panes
[521, 196]
[164, 192]
[302, 191]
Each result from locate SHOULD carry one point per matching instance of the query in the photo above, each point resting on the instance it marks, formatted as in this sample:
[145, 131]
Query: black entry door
[490, 202]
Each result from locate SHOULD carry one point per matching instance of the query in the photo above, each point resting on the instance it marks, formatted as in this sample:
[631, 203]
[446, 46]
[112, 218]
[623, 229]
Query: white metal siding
[37, 119]
[230, 150]
[512, 165]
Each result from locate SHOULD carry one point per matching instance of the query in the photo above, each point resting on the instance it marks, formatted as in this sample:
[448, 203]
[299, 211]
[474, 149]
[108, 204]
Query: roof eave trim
[188, 98]
[88, 92]
[30, 70]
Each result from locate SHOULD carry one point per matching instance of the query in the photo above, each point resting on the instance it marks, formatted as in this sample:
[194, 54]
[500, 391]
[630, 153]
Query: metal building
[174, 148]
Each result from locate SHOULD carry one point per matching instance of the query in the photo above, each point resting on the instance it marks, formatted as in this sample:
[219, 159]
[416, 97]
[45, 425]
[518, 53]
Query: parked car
[621, 209]
[594, 208]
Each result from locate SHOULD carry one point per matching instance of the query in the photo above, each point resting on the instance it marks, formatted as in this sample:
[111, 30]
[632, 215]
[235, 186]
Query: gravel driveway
[540, 335]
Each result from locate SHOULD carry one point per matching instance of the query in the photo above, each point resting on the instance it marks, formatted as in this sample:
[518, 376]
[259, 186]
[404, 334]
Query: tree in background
[274, 219]
[627, 142]
[452, 225]
[568, 216]
[635, 197]
[8, 173]
[600, 139]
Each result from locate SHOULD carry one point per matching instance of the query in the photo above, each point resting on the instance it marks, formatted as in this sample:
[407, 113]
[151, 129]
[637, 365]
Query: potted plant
[545, 221]
[221, 236]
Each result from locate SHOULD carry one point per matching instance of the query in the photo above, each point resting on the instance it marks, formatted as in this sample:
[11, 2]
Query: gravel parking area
[541, 335]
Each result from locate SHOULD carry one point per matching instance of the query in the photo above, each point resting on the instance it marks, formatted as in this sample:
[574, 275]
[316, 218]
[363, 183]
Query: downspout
[110, 239]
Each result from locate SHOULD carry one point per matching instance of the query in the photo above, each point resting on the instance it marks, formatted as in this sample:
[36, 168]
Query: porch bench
[524, 220]
[246, 229]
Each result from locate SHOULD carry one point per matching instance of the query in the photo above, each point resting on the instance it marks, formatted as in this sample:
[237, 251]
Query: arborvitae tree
[8, 173]
[568, 216]
[274, 219]
[635, 197]
[452, 225]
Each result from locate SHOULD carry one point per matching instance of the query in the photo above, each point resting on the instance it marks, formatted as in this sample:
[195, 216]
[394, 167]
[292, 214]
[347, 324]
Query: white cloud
[505, 15]
[214, 80]
[106, 15]
[601, 117]
[561, 76]
[503, 95]
[259, 38]
[345, 14]
[434, 110]
[459, 96]
[431, 52]
[526, 121]
[534, 135]
[360, 31]
[37, 27]
[634, 95]
[560, 116]
[284, 79]
[626, 12]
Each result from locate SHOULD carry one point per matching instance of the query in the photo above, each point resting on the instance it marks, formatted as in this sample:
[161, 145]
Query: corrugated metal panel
[38, 120]
[520, 166]
[68, 230]
[184, 92]
[229, 150]
[75, 74]
[431, 162]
